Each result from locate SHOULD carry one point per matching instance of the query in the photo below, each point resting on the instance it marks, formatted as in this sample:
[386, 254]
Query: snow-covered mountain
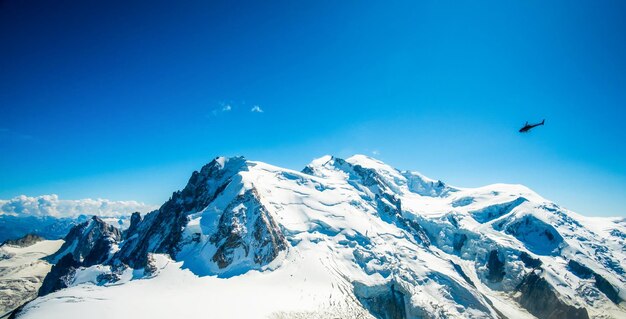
[350, 238]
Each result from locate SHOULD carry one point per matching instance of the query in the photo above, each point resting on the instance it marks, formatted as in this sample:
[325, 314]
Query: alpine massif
[350, 238]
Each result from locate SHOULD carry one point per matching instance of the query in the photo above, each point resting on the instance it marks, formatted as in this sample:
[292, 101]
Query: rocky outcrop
[541, 300]
[600, 282]
[86, 244]
[161, 230]
[135, 219]
[60, 275]
[529, 261]
[383, 302]
[248, 227]
[25, 241]
[89, 243]
[390, 210]
[496, 267]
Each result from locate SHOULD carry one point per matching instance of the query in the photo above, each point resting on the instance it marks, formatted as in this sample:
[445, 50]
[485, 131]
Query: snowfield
[350, 238]
[22, 271]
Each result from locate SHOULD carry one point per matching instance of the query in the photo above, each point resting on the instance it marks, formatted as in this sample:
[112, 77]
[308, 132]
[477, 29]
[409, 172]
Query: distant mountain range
[50, 217]
[351, 238]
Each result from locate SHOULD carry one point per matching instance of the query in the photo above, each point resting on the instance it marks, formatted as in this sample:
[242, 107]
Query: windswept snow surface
[22, 271]
[363, 240]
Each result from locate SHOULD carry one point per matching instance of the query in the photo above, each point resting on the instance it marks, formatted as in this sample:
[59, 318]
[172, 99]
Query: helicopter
[527, 127]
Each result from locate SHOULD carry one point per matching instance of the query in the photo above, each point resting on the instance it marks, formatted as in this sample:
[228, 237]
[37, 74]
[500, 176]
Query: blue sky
[123, 100]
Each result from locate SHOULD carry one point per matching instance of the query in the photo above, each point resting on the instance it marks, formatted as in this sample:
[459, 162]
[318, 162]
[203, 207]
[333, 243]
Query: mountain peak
[390, 243]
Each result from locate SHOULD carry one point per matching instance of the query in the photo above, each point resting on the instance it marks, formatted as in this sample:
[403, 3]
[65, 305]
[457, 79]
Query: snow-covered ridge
[351, 238]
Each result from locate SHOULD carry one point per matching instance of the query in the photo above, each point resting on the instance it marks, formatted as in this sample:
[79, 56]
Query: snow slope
[352, 238]
[21, 272]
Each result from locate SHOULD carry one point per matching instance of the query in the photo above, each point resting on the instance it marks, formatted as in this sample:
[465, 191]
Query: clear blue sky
[123, 100]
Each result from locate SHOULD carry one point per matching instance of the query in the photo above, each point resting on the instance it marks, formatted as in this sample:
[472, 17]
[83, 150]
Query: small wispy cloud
[224, 107]
[256, 109]
[375, 152]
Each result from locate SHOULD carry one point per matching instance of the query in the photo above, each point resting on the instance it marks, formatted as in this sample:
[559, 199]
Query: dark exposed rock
[160, 231]
[85, 245]
[264, 239]
[529, 261]
[462, 273]
[390, 208]
[579, 270]
[151, 267]
[107, 278]
[89, 243]
[368, 177]
[59, 275]
[541, 300]
[605, 286]
[495, 266]
[25, 241]
[498, 312]
[601, 283]
[308, 170]
[386, 303]
[135, 219]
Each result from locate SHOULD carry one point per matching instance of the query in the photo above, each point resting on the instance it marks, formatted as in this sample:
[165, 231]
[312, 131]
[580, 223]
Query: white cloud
[227, 108]
[375, 152]
[256, 109]
[51, 205]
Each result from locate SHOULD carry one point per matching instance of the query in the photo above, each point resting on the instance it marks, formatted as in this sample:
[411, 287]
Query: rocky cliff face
[90, 242]
[542, 300]
[246, 232]
[161, 231]
[27, 240]
[135, 219]
[87, 244]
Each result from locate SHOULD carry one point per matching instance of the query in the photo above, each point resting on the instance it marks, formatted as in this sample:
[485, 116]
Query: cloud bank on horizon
[51, 205]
